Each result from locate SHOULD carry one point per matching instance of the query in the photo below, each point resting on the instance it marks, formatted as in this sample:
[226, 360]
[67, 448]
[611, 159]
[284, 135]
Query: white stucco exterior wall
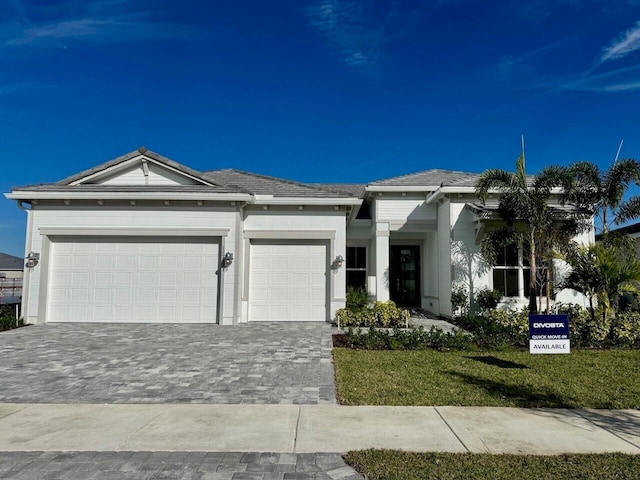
[444, 256]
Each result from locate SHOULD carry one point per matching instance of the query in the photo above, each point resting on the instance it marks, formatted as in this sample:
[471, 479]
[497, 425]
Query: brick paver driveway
[287, 363]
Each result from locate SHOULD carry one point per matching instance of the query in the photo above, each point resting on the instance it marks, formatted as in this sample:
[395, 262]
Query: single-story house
[11, 270]
[142, 238]
[632, 231]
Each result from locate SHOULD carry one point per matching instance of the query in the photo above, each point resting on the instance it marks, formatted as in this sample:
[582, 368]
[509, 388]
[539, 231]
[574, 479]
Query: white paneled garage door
[288, 282]
[133, 279]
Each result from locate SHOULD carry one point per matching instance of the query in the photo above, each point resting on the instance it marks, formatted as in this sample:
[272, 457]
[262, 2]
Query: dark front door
[404, 275]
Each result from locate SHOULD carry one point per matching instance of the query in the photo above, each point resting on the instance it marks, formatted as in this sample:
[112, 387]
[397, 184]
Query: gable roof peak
[78, 178]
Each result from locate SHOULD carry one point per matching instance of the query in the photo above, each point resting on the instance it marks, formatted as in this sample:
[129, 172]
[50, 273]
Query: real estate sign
[549, 334]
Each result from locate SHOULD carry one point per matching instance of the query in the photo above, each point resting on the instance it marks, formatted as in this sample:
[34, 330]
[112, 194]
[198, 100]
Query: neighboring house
[632, 231]
[11, 270]
[144, 239]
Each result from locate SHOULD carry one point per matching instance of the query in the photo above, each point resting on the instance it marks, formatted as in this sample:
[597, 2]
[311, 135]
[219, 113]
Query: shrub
[583, 330]
[488, 299]
[408, 339]
[357, 299]
[9, 321]
[625, 330]
[381, 314]
[511, 327]
[460, 300]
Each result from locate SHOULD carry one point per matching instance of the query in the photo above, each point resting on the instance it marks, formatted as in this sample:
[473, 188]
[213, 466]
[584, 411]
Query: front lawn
[395, 465]
[582, 379]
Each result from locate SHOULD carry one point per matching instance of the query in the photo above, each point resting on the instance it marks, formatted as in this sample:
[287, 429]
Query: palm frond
[617, 179]
[629, 210]
[493, 179]
[550, 177]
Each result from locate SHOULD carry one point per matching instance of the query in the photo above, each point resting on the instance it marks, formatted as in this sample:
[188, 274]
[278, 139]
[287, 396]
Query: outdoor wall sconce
[339, 261]
[227, 259]
[32, 259]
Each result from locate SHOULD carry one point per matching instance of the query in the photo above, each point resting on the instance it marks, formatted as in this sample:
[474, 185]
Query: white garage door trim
[133, 279]
[288, 280]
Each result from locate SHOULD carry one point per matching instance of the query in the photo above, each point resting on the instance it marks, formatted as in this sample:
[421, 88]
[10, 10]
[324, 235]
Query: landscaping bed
[515, 378]
[397, 465]
[8, 320]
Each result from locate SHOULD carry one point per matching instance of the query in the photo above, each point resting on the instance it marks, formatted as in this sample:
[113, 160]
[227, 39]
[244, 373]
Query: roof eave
[70, 195]
[400, 188]
[321, 201]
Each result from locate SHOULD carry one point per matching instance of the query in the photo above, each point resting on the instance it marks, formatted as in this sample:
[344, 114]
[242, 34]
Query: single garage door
[133, 279]
[288, 282]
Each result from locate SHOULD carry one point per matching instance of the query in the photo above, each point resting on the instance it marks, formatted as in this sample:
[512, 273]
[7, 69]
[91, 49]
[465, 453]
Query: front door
[404, 275]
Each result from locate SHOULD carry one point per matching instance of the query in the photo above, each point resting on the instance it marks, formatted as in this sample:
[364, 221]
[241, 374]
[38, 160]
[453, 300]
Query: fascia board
[38, 195]
[261, 200]
[113, 168]
[400, 189]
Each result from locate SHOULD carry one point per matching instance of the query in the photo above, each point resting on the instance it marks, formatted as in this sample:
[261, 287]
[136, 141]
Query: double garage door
[133, 279]
[288, 281]
[175, 280]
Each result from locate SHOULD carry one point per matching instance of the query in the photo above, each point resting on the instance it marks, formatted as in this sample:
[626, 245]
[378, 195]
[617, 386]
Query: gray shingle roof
[265, 185]
[352, 189]
[10, 262]
[431, 178]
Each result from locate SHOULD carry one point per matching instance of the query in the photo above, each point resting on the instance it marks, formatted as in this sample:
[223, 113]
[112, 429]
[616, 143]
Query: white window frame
[520, 267]
[354, 269]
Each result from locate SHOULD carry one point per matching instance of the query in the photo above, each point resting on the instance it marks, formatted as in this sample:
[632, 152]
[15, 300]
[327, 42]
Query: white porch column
[382, 262]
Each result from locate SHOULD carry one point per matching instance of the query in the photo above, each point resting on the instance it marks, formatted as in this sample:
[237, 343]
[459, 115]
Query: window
[356, 267]
[511, 273]
[506, 271]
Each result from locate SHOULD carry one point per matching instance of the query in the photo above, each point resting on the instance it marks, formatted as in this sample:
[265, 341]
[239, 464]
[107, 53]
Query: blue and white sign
[549, 334]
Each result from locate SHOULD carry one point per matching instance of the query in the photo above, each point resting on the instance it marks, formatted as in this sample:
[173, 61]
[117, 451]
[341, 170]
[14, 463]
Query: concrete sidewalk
[314, 428]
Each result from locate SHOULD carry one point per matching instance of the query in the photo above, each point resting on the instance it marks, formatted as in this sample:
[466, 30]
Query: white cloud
[627, 42]
[359, 36]
[620, 87]
[618, 80]
[66, 29]
[101, 21]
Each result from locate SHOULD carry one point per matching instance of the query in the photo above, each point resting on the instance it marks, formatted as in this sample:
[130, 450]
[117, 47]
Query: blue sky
[317, 90]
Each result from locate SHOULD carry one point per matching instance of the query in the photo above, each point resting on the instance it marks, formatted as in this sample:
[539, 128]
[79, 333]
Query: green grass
[582, 379]
[395, 465]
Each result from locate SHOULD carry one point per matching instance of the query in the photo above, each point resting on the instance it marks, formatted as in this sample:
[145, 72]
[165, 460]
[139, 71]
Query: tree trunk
[548, 278]
[533, 308]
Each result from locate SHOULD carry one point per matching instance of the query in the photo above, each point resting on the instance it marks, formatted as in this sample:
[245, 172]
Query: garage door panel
[104, 279]
[79, 279]
[78, 313]
[279, 280]
[59, 294]
[124, 279]
[301, 279]
[103, 295]
[148, 262]
[287, 281]
[80, 295]
[123, 295]
[318, 280]
[301, 294]
[148, 278]
[147, 314]
[131, 279]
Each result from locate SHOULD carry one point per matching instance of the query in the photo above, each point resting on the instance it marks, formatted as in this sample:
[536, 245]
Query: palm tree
[602, 192]
[604, 272]
[530, 220]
